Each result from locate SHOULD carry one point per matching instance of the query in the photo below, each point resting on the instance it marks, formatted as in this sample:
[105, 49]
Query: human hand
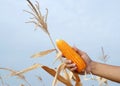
[72, 66]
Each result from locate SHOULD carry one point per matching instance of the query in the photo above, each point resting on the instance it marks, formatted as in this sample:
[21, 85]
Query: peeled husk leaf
[59, 69]
[66, 75]
[43, 53]
[71, 75]
[58, 56]
[77, 79]
[88, 78]
[78, 84]
[59, 77]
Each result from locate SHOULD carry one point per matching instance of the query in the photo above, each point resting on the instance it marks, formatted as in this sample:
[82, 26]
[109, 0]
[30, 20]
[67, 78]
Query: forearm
[106, 71]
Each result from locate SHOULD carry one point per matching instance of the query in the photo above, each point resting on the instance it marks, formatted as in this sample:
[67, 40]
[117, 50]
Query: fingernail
[70, 61]
[74, 64]
[75, 68]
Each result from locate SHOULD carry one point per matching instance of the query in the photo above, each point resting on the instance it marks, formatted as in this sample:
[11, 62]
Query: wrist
[93, 67]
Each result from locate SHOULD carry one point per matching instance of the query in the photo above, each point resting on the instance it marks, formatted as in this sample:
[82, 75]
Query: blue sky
[88, 24]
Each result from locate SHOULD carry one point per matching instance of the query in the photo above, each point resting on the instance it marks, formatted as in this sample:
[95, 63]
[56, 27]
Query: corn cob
[70, 54]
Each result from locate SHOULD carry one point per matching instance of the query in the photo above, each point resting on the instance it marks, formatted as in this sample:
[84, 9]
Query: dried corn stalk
[38, 19]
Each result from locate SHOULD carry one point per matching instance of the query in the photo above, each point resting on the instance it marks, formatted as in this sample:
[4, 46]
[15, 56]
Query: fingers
[71, 66]
[68, 61]
[73, 69]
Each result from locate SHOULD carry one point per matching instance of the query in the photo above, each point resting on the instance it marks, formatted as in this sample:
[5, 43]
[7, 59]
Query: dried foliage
[59, 69]
[13, 72]
[27, 69]
[53, 73]
[37, 18]
[43, 53]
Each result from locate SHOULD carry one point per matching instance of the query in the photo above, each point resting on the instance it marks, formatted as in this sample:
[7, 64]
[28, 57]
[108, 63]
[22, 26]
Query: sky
[87, 24]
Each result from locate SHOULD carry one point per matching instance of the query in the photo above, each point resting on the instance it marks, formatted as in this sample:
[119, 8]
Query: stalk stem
[52, 42]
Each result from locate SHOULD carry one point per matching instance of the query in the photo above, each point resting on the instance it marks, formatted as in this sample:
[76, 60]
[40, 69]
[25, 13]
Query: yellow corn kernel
[70, 54]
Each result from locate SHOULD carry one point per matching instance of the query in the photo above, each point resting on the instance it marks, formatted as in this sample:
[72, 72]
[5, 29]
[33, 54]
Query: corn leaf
[59, 69]
[43, 53]
[13, 72]
[53, 73]
[77, 79]
[78, 84]
[58, 56]
[28, 69]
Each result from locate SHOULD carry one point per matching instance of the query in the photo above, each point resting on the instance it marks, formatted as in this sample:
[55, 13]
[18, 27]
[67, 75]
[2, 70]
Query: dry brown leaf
[66, 75]
[59, 69]
[53, 73]
[28, 69]
[78, 84]
[70, 75]
[77, 79]
[43, 53]
[13, 72]
[58, 56]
